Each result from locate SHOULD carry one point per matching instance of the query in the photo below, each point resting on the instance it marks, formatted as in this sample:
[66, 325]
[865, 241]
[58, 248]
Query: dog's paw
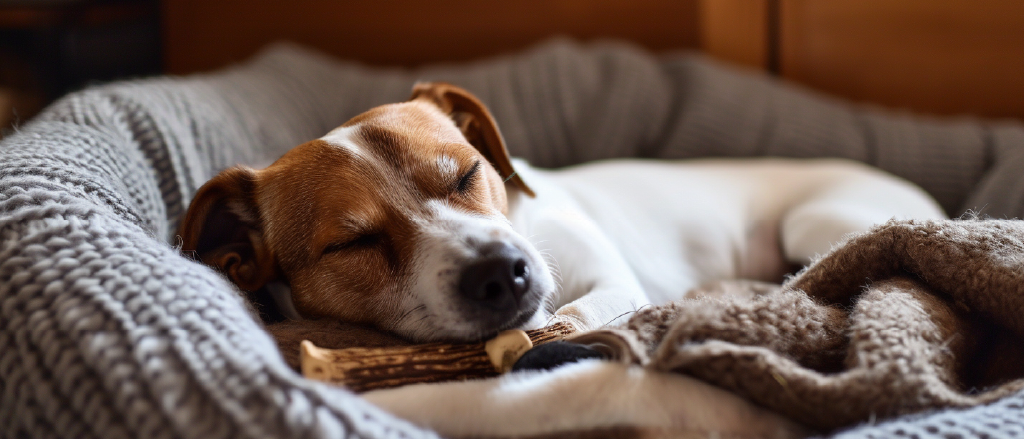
[551, 355]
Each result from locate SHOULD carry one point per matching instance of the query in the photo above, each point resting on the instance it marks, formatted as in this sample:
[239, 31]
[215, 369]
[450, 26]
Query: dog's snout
[498, 278]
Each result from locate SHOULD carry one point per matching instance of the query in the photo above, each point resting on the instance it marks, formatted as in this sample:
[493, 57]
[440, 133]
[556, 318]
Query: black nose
[498, 278]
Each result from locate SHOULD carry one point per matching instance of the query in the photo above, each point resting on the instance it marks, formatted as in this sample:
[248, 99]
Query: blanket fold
[908, 317]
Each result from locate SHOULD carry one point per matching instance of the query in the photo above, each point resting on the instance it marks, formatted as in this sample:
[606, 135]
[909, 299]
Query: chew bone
[368, 368]
[506, 348]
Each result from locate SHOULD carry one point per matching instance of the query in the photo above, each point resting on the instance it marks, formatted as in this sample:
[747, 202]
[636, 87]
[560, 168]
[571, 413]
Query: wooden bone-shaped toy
[367, 368]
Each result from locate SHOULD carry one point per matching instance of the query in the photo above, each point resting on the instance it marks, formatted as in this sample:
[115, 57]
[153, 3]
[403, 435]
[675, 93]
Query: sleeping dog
[411, 218]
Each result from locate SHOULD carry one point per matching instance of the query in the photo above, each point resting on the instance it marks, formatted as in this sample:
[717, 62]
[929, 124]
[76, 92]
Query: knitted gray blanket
[107, 331]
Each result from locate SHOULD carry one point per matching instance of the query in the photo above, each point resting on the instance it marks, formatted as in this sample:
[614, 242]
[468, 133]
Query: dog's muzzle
[497, 279]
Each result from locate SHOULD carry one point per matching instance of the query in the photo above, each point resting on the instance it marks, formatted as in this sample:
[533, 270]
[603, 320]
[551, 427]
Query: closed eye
[466, 182]
[365, 240]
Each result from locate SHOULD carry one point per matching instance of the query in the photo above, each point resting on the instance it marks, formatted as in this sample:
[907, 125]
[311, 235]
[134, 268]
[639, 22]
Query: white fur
[447, 165]
[649, 231]
[342, 138]
[449, 239]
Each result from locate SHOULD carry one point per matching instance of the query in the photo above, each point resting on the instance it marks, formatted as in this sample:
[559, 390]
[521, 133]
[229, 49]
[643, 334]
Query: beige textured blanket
[909, 317]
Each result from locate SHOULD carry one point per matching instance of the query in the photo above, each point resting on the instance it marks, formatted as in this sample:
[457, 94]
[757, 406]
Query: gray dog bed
[107, 331]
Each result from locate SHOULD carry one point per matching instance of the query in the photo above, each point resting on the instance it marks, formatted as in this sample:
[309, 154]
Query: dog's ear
[222, 228]
[475, 122]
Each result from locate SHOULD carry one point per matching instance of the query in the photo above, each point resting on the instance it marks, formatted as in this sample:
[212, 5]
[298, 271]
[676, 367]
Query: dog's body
[411, 218]
[627, 233]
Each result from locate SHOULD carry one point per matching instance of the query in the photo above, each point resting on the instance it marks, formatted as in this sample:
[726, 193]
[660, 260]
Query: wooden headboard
[932, 56]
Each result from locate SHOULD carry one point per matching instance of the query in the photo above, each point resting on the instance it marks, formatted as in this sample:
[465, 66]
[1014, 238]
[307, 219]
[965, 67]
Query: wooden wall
[204, 34]
[738, 31]
[931, 56]
[938, 56]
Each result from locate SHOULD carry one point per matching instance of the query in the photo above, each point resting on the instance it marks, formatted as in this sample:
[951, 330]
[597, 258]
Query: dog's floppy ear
[476, 123]
[222, 228]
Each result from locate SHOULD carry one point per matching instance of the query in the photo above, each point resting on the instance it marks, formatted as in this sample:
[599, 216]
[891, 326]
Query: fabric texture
[107, 331]
[911, 316]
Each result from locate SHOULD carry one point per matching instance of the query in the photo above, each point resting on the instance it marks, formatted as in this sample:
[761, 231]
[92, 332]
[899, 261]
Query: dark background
[48, 48]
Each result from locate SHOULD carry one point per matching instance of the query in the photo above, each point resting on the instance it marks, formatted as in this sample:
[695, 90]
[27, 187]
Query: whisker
[634, 311]
[549, 303]
[407, 314]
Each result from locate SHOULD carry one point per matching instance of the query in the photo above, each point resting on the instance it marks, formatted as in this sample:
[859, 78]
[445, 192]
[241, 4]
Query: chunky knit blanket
[906, 318]
[107, 331]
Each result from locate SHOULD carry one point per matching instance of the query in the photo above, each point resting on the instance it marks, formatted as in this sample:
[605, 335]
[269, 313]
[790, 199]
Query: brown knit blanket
[908, 317]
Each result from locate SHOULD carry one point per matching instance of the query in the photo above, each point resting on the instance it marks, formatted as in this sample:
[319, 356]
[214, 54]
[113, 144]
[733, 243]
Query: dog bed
[109, 332]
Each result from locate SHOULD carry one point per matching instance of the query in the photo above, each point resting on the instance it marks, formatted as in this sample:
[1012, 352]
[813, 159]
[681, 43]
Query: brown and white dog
[412, 218]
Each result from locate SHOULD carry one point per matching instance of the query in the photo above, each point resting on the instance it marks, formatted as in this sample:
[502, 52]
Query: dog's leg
[856, 202]
[597, 286]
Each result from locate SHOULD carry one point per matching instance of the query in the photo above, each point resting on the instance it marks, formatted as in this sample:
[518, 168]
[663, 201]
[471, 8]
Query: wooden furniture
[204, 34]
[937, 56]
[931, 56]
[738, 31]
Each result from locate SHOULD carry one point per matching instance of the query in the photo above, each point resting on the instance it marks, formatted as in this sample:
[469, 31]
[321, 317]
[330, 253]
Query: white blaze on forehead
[342, 138]
[447, 165]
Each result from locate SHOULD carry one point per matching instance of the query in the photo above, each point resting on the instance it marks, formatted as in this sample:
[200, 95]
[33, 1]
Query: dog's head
[396, 219]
